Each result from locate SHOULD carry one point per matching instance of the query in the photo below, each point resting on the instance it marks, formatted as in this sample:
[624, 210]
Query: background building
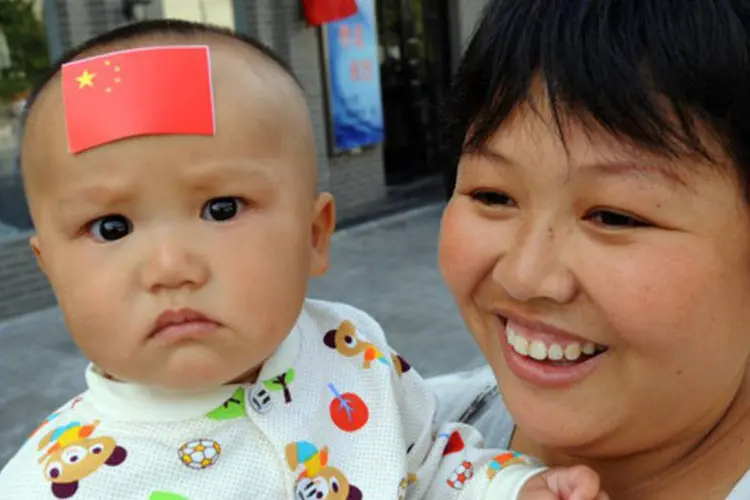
[419, 44]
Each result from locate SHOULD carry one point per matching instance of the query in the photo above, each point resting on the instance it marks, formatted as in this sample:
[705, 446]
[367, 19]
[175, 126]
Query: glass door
[415, 71]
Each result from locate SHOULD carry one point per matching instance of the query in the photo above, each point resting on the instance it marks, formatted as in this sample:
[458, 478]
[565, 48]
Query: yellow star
[117, 79]
[117, 68]
[86, 79]
[107, 63]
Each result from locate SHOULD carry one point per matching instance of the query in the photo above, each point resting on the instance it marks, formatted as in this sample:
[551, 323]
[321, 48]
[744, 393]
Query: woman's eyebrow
[641, 170]
[493, 155]
[615, 168]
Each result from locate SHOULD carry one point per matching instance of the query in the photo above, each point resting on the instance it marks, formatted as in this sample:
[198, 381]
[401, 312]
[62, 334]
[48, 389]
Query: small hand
[564, 483]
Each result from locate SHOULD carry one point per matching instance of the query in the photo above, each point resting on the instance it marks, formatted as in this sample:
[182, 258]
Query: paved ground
[13, 212]
[387, 267]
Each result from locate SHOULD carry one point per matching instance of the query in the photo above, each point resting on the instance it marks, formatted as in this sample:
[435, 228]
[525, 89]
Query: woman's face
[555, 254]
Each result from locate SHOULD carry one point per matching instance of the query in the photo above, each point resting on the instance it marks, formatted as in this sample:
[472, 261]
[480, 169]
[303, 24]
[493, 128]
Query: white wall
[468, 15]
[219, 12]
[464, 14]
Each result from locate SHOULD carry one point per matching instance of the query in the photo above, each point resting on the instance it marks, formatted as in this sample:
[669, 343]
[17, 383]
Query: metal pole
[52, 26]
[241, 24]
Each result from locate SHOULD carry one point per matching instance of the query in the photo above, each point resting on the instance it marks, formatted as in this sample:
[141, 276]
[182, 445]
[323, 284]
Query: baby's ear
[36, 248]
[324, 222]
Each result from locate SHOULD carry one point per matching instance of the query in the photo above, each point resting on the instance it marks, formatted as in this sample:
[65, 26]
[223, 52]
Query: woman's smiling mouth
[546, 356]
[557, 353]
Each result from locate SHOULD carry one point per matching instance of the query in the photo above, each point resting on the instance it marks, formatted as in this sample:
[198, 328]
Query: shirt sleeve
[457, 467]
[445, 461]
[449, 461]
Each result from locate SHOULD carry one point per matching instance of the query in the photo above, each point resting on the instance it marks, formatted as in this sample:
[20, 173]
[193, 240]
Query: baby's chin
[199, 374]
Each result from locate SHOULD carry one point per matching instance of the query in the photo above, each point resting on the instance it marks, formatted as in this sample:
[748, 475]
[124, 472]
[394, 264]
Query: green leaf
[165, 495]
[272, 385]
[27, 43]
[233, 408]
[290, 376]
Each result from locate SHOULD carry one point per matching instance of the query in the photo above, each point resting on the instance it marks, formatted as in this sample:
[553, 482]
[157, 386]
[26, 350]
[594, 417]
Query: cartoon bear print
[316, 479]
[346, 342]
[72, 455]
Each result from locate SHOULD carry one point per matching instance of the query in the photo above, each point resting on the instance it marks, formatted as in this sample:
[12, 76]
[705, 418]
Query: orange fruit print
[348, 411]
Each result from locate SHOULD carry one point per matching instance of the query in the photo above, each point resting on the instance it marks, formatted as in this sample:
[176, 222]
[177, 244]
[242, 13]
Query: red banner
[320, 12]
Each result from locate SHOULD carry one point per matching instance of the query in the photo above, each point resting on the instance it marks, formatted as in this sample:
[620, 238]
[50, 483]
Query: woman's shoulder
[472, 397]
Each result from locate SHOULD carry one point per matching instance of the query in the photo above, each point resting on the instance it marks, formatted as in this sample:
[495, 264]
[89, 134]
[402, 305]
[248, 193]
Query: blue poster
[353, 67]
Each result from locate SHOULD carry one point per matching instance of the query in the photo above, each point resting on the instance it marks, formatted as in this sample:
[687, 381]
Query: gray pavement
[387, 267]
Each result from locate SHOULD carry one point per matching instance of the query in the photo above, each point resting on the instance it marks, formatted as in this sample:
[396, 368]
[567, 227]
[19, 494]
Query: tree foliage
[27, 44]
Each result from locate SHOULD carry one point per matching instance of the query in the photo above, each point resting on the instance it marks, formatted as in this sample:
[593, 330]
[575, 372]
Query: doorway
[415, 73]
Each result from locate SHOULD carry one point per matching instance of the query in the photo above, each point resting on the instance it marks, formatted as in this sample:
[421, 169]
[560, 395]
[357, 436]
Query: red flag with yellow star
[146, 91]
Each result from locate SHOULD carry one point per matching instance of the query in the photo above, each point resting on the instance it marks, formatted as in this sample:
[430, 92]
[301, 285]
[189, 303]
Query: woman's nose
[531, 266]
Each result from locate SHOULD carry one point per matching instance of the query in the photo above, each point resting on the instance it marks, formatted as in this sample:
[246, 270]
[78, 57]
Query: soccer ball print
[200, 453]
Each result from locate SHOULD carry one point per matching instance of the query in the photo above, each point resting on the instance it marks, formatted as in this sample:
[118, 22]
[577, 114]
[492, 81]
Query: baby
[170, 171]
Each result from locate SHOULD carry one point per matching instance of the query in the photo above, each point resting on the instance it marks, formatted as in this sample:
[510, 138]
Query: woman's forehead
[533, 130]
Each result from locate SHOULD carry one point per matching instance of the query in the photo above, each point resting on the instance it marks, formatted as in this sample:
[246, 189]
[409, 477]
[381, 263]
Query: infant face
[182, 261]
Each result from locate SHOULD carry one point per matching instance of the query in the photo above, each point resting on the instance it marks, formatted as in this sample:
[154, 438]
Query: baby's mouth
[555, 353]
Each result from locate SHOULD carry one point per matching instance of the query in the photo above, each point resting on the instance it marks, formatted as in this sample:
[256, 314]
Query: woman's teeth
[538, 350]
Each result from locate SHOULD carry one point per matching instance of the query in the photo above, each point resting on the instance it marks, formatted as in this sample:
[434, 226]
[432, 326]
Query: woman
[597, 241]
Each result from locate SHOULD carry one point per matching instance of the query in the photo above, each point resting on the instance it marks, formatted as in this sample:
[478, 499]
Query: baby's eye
[493, 198]
[615, 220]
[222, 209]
[110, 228]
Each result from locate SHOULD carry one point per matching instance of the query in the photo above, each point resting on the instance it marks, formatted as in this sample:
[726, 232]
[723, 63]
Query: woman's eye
[110, 228]
[493, 198]
[222, 209]
[615, 220]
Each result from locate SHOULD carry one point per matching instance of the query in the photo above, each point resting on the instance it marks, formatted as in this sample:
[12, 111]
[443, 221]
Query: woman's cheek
[465, 247]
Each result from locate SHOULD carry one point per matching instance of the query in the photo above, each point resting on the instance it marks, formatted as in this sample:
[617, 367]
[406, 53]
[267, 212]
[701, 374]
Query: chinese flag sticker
[147, 91]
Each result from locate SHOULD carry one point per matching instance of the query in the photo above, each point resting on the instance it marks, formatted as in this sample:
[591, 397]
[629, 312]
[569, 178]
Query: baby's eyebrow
[200, 177]
[222, 172]
[96, 194]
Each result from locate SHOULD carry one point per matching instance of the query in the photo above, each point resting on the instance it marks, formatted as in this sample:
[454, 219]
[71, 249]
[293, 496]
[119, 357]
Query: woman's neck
[704, 466]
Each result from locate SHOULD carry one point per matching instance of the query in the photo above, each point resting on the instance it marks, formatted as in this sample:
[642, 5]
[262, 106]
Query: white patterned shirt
[335, 414]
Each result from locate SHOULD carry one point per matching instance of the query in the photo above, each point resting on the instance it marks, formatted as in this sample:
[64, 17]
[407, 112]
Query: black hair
[153, 28]
[647, 71]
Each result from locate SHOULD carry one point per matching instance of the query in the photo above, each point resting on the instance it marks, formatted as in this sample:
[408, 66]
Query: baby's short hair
[153, 29]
